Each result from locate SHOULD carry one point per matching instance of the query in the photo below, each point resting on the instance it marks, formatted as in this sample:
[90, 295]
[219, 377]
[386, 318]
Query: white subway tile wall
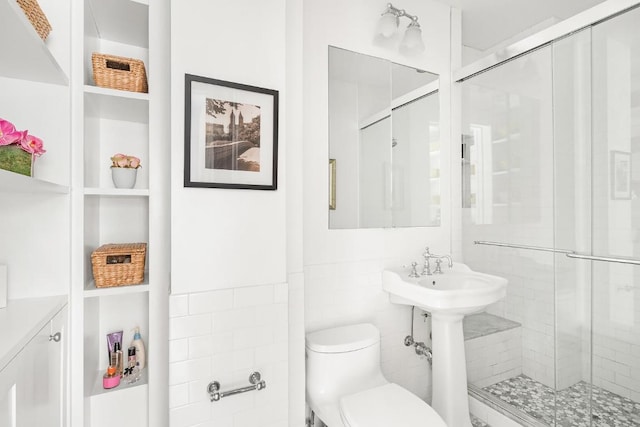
[225, 335]
[495, 357]
[616, 331]
[347, 293]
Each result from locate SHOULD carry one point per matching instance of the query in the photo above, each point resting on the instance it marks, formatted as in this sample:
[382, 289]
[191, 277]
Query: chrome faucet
[426, 270]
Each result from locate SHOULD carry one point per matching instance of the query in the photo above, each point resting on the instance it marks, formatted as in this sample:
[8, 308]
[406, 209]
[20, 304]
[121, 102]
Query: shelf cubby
[32, 59]
[98, 389]
[112, 104]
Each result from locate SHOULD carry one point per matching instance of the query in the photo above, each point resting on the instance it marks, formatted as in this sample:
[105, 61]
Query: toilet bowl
[346, 388]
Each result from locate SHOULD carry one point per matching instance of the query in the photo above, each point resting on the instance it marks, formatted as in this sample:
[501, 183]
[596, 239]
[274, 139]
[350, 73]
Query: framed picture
[620, 175]
[230, 135]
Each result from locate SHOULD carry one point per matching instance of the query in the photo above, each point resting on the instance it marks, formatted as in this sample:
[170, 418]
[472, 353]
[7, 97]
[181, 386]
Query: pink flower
[119, 160]
[32, 144]
[134, 162]
[124, 161]
[8, 133]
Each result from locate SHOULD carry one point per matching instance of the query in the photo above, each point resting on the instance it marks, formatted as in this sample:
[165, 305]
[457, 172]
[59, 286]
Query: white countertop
[21, 320]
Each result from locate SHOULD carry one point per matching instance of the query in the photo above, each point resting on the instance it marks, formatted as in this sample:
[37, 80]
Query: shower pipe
[568, 253]
[421, 348]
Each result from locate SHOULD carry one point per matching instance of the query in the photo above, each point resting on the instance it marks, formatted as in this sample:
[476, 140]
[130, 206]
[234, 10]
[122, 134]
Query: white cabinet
[32, 384]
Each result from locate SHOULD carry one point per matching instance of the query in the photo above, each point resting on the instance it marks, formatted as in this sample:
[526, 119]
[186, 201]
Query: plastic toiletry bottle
[131, 372]
[119, 360]
[139, 345]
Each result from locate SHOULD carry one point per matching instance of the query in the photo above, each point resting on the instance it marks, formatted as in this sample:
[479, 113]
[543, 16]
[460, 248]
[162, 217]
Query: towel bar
[256, 384]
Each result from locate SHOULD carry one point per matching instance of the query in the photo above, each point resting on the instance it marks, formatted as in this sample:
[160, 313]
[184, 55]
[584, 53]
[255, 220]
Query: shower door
[508, 180]
[616, 220]
[596, 102]
[551, 168]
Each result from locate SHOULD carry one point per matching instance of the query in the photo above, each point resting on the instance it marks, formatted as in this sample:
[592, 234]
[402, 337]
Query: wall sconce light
[388, 26]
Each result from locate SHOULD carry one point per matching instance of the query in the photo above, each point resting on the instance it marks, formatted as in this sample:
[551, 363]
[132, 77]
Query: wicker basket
[118, 264]
[37, 18]
[117, 72]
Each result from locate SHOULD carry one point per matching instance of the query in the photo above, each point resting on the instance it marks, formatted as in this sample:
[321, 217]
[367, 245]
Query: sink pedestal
[448, 297]
[450, 399]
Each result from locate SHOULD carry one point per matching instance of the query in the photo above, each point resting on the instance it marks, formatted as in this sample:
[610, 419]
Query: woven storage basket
[36, 16]
[117, 72]
[118, 264]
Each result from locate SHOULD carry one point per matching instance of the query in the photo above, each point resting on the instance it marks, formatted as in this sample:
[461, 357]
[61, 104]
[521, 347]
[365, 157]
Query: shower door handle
[570, 254]
[631, 261]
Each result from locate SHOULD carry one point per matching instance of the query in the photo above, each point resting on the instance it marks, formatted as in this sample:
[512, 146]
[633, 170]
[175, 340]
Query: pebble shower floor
[540, 401]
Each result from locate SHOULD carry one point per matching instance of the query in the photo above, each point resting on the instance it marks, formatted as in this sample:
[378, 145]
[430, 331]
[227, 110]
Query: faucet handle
[414, 271]
[438, 269]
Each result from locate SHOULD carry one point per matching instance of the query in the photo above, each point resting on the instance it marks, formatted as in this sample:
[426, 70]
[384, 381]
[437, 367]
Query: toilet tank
[342, 361]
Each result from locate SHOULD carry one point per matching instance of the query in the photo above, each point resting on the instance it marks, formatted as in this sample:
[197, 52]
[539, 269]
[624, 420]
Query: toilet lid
[387, 405]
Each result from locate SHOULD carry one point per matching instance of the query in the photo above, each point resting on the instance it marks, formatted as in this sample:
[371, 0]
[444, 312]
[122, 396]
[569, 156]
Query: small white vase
[124, 177]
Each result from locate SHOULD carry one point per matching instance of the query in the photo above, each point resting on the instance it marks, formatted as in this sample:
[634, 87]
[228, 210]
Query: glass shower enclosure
[551, 201]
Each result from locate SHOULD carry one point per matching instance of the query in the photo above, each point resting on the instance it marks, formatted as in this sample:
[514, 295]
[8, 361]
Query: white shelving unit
[116, 121]
[48, 88]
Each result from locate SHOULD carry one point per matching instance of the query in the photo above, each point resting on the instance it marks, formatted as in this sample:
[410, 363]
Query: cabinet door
[39, 401]
[8, 379]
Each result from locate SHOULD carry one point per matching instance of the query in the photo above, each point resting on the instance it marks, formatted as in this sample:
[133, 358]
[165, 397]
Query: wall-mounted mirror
[384, 143]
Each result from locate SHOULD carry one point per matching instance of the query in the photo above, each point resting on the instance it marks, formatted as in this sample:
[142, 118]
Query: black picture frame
[230, 135]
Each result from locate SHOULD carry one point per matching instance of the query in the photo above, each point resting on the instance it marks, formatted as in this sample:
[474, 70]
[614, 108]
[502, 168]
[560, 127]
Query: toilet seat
[387, 405]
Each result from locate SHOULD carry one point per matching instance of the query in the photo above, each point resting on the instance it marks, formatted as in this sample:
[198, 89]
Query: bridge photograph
[232, 136]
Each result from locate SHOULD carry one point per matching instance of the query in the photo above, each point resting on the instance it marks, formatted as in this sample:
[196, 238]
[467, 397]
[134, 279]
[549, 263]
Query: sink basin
[448, 297]
[456, 291]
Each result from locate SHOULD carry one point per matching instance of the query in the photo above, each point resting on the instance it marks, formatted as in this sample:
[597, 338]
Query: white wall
[343, 267]
[295, 188]
[229, 261]
[220, 237]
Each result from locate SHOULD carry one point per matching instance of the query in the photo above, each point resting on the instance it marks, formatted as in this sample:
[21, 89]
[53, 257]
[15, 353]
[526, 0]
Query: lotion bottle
[139, 345]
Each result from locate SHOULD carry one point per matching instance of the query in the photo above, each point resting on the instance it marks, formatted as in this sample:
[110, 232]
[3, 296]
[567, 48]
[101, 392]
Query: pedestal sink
[448, 297]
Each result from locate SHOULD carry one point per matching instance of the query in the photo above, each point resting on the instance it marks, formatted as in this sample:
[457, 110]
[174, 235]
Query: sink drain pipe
[421, 348]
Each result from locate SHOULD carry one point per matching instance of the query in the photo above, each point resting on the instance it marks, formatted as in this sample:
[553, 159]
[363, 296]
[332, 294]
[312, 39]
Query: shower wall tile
[226, 335]
[495, 357]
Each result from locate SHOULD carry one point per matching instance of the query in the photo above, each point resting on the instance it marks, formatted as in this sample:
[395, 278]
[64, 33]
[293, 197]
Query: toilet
[345, 386]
